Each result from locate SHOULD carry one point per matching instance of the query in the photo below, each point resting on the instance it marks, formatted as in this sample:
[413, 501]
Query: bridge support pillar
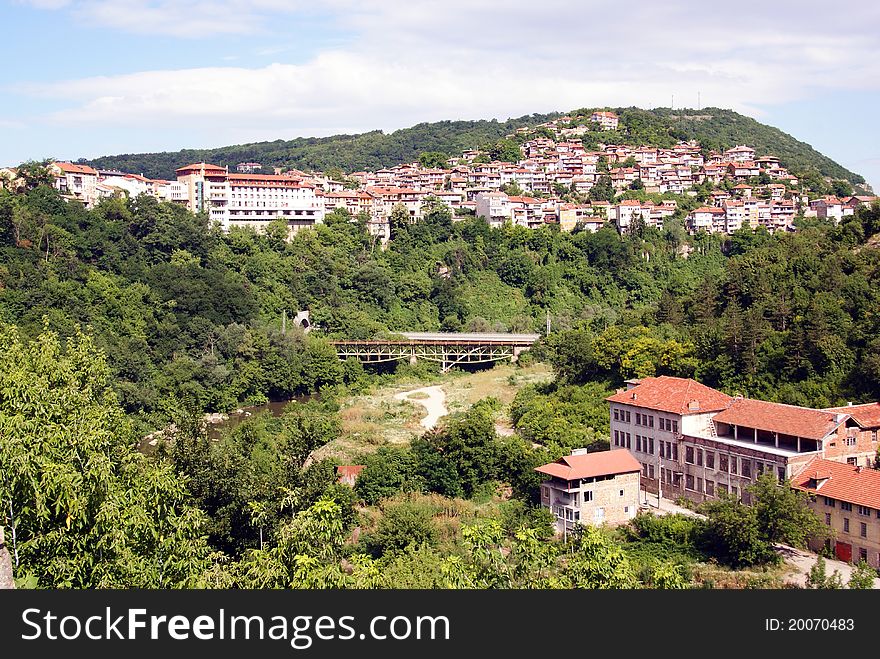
[514, 358]
[413, 360]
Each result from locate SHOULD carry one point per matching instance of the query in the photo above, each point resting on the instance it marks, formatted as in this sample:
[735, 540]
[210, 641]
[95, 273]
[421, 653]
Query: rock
[6, 580]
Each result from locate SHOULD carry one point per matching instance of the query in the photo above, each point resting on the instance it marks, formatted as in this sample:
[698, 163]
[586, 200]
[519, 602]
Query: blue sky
[92, 77]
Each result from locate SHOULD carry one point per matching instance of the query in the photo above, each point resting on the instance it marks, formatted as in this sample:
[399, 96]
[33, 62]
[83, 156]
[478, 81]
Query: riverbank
[397, 413]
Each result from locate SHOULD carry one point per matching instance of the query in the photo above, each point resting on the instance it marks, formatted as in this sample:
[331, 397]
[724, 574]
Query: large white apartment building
[251, 200]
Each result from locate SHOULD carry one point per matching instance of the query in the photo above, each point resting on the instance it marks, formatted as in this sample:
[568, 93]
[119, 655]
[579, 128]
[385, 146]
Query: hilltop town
[539, 176]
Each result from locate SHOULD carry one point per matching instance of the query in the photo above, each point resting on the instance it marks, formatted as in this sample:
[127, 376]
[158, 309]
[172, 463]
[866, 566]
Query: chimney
[579, 451]
[693, 406]
[859, 469]
[634, 395]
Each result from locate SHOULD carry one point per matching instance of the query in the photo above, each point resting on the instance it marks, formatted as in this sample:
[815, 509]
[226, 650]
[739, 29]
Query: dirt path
[434, 403]
[802, 561]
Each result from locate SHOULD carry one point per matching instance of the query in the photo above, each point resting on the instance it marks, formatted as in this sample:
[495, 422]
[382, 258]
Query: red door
[843, 551]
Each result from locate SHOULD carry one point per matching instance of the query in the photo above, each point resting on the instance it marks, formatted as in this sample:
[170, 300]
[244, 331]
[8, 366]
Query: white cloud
[422, 61]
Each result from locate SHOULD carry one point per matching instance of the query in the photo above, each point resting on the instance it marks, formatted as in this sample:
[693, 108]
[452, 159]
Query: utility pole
[659, 476]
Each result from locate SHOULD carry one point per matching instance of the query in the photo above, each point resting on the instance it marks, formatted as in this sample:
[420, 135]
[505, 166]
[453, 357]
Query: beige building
[591, 488]
[79, 182]
[847, 499]
[696, 442]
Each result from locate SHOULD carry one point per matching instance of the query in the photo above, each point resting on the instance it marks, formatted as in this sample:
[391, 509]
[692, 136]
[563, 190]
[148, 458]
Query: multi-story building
[591, 488]
[79, 182]
[251, 200]
[694, 441]
[607, 120]
[847, 499]
[494, 207]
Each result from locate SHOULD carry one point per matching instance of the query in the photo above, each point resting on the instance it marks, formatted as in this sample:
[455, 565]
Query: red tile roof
[71, 168]
[845, 482]
[200, 166]
[776, 417]
[674, 395]
[866, 415]
[588, 465]
[348, 472]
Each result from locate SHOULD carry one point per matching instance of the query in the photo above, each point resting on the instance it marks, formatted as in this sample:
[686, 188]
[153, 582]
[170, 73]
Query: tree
[506, 150]
[597, 562]
[84, 508]
[783, 513]
[817, 579]
[434, 159]
[603, 190]
[862, 577]
[734, 535]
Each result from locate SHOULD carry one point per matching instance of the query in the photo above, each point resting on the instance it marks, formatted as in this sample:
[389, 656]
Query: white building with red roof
[78, 182]
[607, 120]
[251, 200]
[591, 488]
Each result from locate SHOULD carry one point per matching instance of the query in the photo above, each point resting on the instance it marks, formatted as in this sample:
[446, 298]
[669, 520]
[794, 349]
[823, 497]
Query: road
[434, 404]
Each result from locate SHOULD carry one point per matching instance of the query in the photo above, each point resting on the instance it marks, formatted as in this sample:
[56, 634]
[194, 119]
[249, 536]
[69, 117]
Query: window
[650, 422]
[650, 471]
[733, 465]
[829, 502]
[662, 451]
[863, 530]
[689, 482]
[616, 439]
[689, 455]
[710, 487]
[616, 414]
[828, 519]
[675, 426]
[864, 511]
[626, 414]
[638, 419]
[760, 466]
[699, 485]
[722, 489]
[845, 505]
[645, 470]
[722, 463]
[651, 447]
[675, 451]
[638, 442]
[628, 440]
[588, 496]
[846, 525]
[873, 435]
[621, 493]
[699, 457]
[863, 554]
[710, 459]
[780, 473]
[747, 468]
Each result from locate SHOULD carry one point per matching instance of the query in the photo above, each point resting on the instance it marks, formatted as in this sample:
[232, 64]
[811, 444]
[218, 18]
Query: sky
[83, 78]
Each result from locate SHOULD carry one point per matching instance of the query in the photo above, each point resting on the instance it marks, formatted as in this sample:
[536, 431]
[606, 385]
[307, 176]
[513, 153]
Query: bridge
[446, 348]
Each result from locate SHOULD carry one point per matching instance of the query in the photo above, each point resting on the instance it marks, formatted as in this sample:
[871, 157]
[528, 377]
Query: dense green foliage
[428, 143]
[178, 319]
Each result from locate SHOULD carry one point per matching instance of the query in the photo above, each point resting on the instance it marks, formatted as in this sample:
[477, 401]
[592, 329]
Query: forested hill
[714, 128]
[366, 151]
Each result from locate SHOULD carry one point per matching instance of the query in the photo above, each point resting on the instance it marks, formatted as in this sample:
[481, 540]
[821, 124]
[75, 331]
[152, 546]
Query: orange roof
[866, 415]
[201, 165]
[674, 395]
[71, 168]
[349, 470]
[776, 417]
[588, 465]
[844, 482]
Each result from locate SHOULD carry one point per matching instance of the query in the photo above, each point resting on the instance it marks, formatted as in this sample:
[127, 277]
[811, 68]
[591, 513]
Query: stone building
[591, 488]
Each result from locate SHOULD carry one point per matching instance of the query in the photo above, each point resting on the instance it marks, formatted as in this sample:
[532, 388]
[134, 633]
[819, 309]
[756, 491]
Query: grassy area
[376, 419]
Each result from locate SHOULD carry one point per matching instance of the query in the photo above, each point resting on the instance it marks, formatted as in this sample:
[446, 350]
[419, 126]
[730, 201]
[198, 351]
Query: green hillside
[714, 128]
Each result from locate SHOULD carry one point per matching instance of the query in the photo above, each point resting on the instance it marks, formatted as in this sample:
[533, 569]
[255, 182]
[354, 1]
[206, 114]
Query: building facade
[847, 499]
[696, 442]
[591, 488]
